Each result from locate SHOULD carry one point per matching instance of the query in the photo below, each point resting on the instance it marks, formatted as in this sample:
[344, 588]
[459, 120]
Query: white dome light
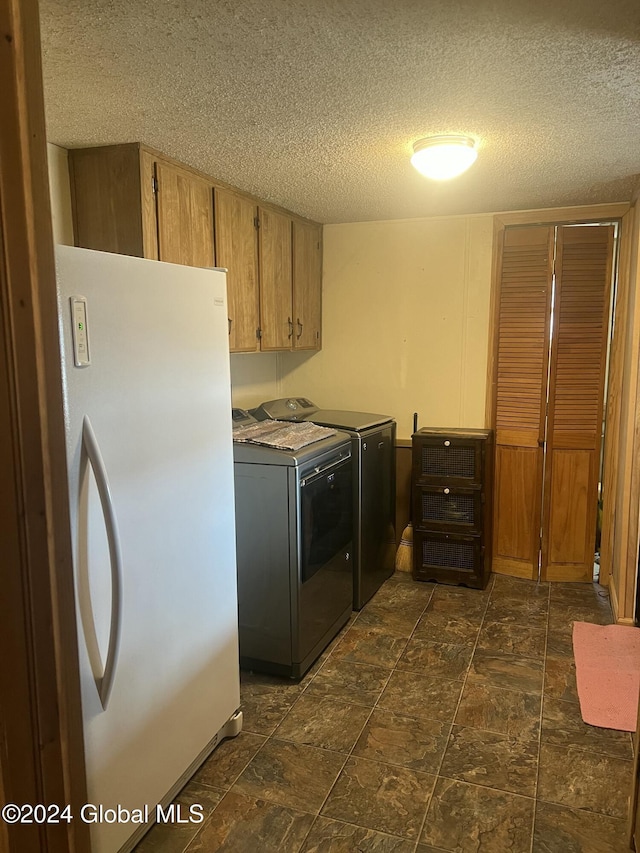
[443, 157]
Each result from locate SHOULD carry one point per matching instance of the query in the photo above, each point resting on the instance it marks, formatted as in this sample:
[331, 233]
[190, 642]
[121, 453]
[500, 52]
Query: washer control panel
[285, 409]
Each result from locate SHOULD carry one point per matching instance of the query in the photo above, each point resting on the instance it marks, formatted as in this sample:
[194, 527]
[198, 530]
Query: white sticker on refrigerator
[80, 331]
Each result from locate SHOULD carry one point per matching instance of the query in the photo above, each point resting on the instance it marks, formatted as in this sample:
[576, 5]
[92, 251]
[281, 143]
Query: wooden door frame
[558, 216]
[41, 743]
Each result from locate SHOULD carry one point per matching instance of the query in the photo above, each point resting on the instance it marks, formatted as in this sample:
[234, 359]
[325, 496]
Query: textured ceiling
[314, 104]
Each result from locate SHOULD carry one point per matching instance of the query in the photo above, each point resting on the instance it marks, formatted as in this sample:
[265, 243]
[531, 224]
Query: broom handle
[415, 429]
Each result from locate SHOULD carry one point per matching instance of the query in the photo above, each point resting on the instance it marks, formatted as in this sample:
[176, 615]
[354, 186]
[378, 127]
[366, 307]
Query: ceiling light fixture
[444, 157]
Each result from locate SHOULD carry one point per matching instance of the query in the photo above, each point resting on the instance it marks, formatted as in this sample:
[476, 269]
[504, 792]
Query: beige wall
[405, 322]
[254, 378]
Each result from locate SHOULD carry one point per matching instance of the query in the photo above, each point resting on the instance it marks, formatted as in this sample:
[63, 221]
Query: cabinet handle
[299, 335]
[290, 322]
[230, 322]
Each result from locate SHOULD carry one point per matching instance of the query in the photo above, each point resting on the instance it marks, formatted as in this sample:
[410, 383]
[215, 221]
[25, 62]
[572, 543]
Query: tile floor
[440, 719]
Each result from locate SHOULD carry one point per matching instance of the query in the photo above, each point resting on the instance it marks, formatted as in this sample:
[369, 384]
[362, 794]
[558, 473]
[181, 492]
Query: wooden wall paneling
[307, 284]
[185, 217]
[403, 485]
[41, 748]
[276, 314]
[627, 556]
[237, 251]
[105, 198]
[584, 263]
[613, 453]
[521, 378]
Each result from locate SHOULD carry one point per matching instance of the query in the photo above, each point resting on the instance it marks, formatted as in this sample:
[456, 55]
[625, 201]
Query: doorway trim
[41, 736]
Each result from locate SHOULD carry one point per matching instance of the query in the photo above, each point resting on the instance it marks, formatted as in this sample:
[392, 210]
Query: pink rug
[607, 674]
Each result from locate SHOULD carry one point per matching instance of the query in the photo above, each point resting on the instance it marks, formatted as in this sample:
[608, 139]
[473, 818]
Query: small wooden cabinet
[276, 320]
[128, 201]
[132, 200]
[237, 251]
[307, 285]
[451, 505]
[185, 217]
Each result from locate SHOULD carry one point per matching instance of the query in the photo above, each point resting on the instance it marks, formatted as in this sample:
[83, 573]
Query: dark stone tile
[563, 614]
[501, 669]
[515, 639]
[580, 593]
[404, 577]
[368, 645]
[495, 709]
[360, 683]
[194, 793]
[168, 838]
[584, 780]
[411, 598]
[324, 722]
[560, 678]
[442, 628]
[421, 696]
[379, 796]
[331, 836]
[520, 589]
[396, 623]
[559, 829]
[228, 760]
[409, 741]
[458, 602]
[562, 725]
[442, 659]
[470, 819]
[560, 640]
[291, 774]
[241, 824]
[492, 759]
[532, 612]
[264, 705]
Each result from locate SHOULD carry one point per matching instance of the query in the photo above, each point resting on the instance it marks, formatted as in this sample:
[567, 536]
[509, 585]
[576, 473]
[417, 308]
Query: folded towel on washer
[282, 435]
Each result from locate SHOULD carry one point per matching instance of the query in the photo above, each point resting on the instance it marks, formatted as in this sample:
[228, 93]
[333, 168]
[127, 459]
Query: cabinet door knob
[299, 335]
[446, 491]
[230, 322]
[290, 322]
[447, 443]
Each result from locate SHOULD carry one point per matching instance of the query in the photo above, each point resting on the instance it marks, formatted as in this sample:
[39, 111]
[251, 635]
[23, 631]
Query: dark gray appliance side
[374, 538]
[289, 607]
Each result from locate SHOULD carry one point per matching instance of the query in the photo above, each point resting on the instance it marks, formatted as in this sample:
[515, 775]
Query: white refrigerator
[145, 362]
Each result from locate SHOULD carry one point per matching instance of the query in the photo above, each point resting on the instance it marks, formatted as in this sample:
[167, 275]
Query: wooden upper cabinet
[237, 251]
[307, 285]
[185, 217]
[107, 197]
[276, 313]
[132, 200]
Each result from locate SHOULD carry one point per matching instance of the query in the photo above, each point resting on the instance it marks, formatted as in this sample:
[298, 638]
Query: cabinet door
[237, 250]
[307, 285]
[275, 281]
[185, 218]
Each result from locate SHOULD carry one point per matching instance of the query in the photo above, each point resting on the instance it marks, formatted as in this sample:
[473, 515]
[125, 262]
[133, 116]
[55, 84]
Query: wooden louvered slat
[522, 352]
[584, 258]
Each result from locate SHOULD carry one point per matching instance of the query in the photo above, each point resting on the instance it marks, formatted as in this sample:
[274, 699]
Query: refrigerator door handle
[91, 454]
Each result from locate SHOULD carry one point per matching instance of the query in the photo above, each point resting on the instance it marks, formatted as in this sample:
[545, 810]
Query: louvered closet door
[523, 333]
[584, 257]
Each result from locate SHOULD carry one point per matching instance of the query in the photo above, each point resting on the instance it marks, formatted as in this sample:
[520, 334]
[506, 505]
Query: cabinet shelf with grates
[451, 497]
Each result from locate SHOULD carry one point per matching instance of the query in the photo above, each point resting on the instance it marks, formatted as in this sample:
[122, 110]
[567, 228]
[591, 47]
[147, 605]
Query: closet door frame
[623, 417]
